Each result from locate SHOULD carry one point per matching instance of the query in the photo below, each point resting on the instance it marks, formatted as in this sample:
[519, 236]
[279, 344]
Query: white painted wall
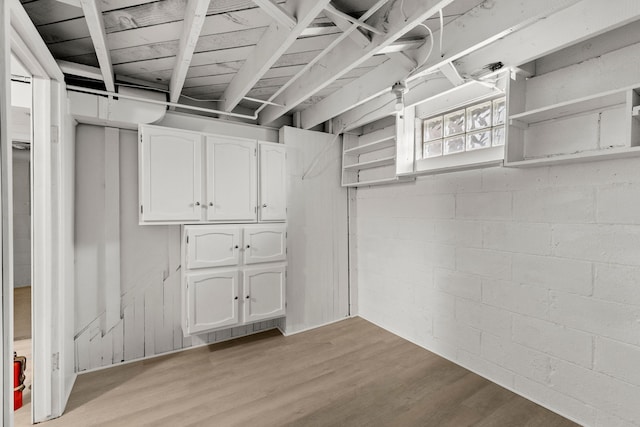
[529, 277]
[149, 265]
[21, 218]
[317, 280]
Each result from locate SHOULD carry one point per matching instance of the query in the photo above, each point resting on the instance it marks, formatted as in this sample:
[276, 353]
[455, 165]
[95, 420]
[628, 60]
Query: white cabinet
[273, 178]
[232, 275]
[263, 293]
[231, 179]
[189, 177]
[264, 244]
[208, 247]
[170, 175]
[211, 300]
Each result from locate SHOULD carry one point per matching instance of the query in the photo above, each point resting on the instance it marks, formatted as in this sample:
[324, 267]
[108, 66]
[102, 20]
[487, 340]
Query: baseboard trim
[167, 353]
[310, 328]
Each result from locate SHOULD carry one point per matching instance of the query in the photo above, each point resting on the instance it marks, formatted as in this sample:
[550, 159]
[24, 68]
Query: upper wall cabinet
[188, 177]
[273, 178]
[231, 179]
[170, 175]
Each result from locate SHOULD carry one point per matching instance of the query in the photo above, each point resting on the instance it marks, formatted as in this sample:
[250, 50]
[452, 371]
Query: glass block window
[475, 127]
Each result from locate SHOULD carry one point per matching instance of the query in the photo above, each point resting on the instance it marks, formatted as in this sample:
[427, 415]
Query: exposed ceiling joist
[332, 10]
[521, 47]
[484, 25]
[30, 43]
[359, 91]
[384, 105]
[194, 17]
[277, 12]
[542, 38]
[272, 45]
[397, 19]
[344, 25]
[93, 16]
[479, 24]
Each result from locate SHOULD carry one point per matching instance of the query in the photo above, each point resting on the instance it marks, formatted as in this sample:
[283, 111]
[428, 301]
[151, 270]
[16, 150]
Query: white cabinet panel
[170, 168]
[273, 172]
[264, 291]
[212, 300]
[212, 246]
[231, 179]
[265, 244]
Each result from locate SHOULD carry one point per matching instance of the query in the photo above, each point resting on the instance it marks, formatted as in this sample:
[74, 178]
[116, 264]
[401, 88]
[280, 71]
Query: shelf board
[372, 146]
[378, 181]
[573, 107]
[611, 153]
[385, 161]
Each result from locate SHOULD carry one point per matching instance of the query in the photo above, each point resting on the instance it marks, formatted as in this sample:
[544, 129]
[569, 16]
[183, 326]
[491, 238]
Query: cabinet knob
[236, 247]
[264, 205]
[210, 203]
[236, 298]
[197, 203]
[248, 246]
[247, 297]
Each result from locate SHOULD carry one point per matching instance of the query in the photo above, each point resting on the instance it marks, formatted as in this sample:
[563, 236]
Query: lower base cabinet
[224, 298]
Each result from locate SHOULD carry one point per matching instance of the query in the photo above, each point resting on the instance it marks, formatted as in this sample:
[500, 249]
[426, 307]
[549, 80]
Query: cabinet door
[265, 244]
[170, 180]
[264, 292]
[231, 179]
[212, 300]
[211, 246]
[273, 188]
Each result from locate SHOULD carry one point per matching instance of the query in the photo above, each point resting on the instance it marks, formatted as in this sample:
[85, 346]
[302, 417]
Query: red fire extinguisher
[19, 365]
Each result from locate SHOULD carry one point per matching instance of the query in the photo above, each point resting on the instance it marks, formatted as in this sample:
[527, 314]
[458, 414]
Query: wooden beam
[384, 105]
[450, 72]
[193, 21]
[543, 38]
[359, 91]
[344, 25]
[482, 26]
[476, 29]
[277, 12]
[93, 15]
[272, 45]
[398, 18]
[332, 10]
[30, 37]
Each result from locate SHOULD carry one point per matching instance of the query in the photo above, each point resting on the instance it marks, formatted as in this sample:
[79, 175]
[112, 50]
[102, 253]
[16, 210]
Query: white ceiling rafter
[93, 15]
[479, 24]
[398, 19]
[518, 47]
[361, 89]
[277, 12]
[194, 17]
[275, 42]
[539, 39]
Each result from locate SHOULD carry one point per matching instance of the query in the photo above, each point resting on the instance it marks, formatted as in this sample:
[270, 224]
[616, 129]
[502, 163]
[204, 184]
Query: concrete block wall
[529, 277]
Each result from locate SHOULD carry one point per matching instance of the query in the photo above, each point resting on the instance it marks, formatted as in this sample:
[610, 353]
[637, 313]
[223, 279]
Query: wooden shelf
[571, 108]
[372, 146]
[611, 153]
[377, 182]
[385, 161]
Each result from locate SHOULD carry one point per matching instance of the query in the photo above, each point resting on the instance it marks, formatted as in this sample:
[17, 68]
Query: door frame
[52, 205]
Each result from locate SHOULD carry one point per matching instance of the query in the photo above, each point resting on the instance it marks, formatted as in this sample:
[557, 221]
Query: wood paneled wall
[148, 307]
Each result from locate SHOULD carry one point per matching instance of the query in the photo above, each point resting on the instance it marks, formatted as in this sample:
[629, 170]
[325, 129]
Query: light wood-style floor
[351, 373]
[22, 313]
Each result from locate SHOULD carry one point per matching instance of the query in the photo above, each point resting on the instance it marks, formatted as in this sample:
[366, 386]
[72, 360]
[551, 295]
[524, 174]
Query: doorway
[21, 100]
